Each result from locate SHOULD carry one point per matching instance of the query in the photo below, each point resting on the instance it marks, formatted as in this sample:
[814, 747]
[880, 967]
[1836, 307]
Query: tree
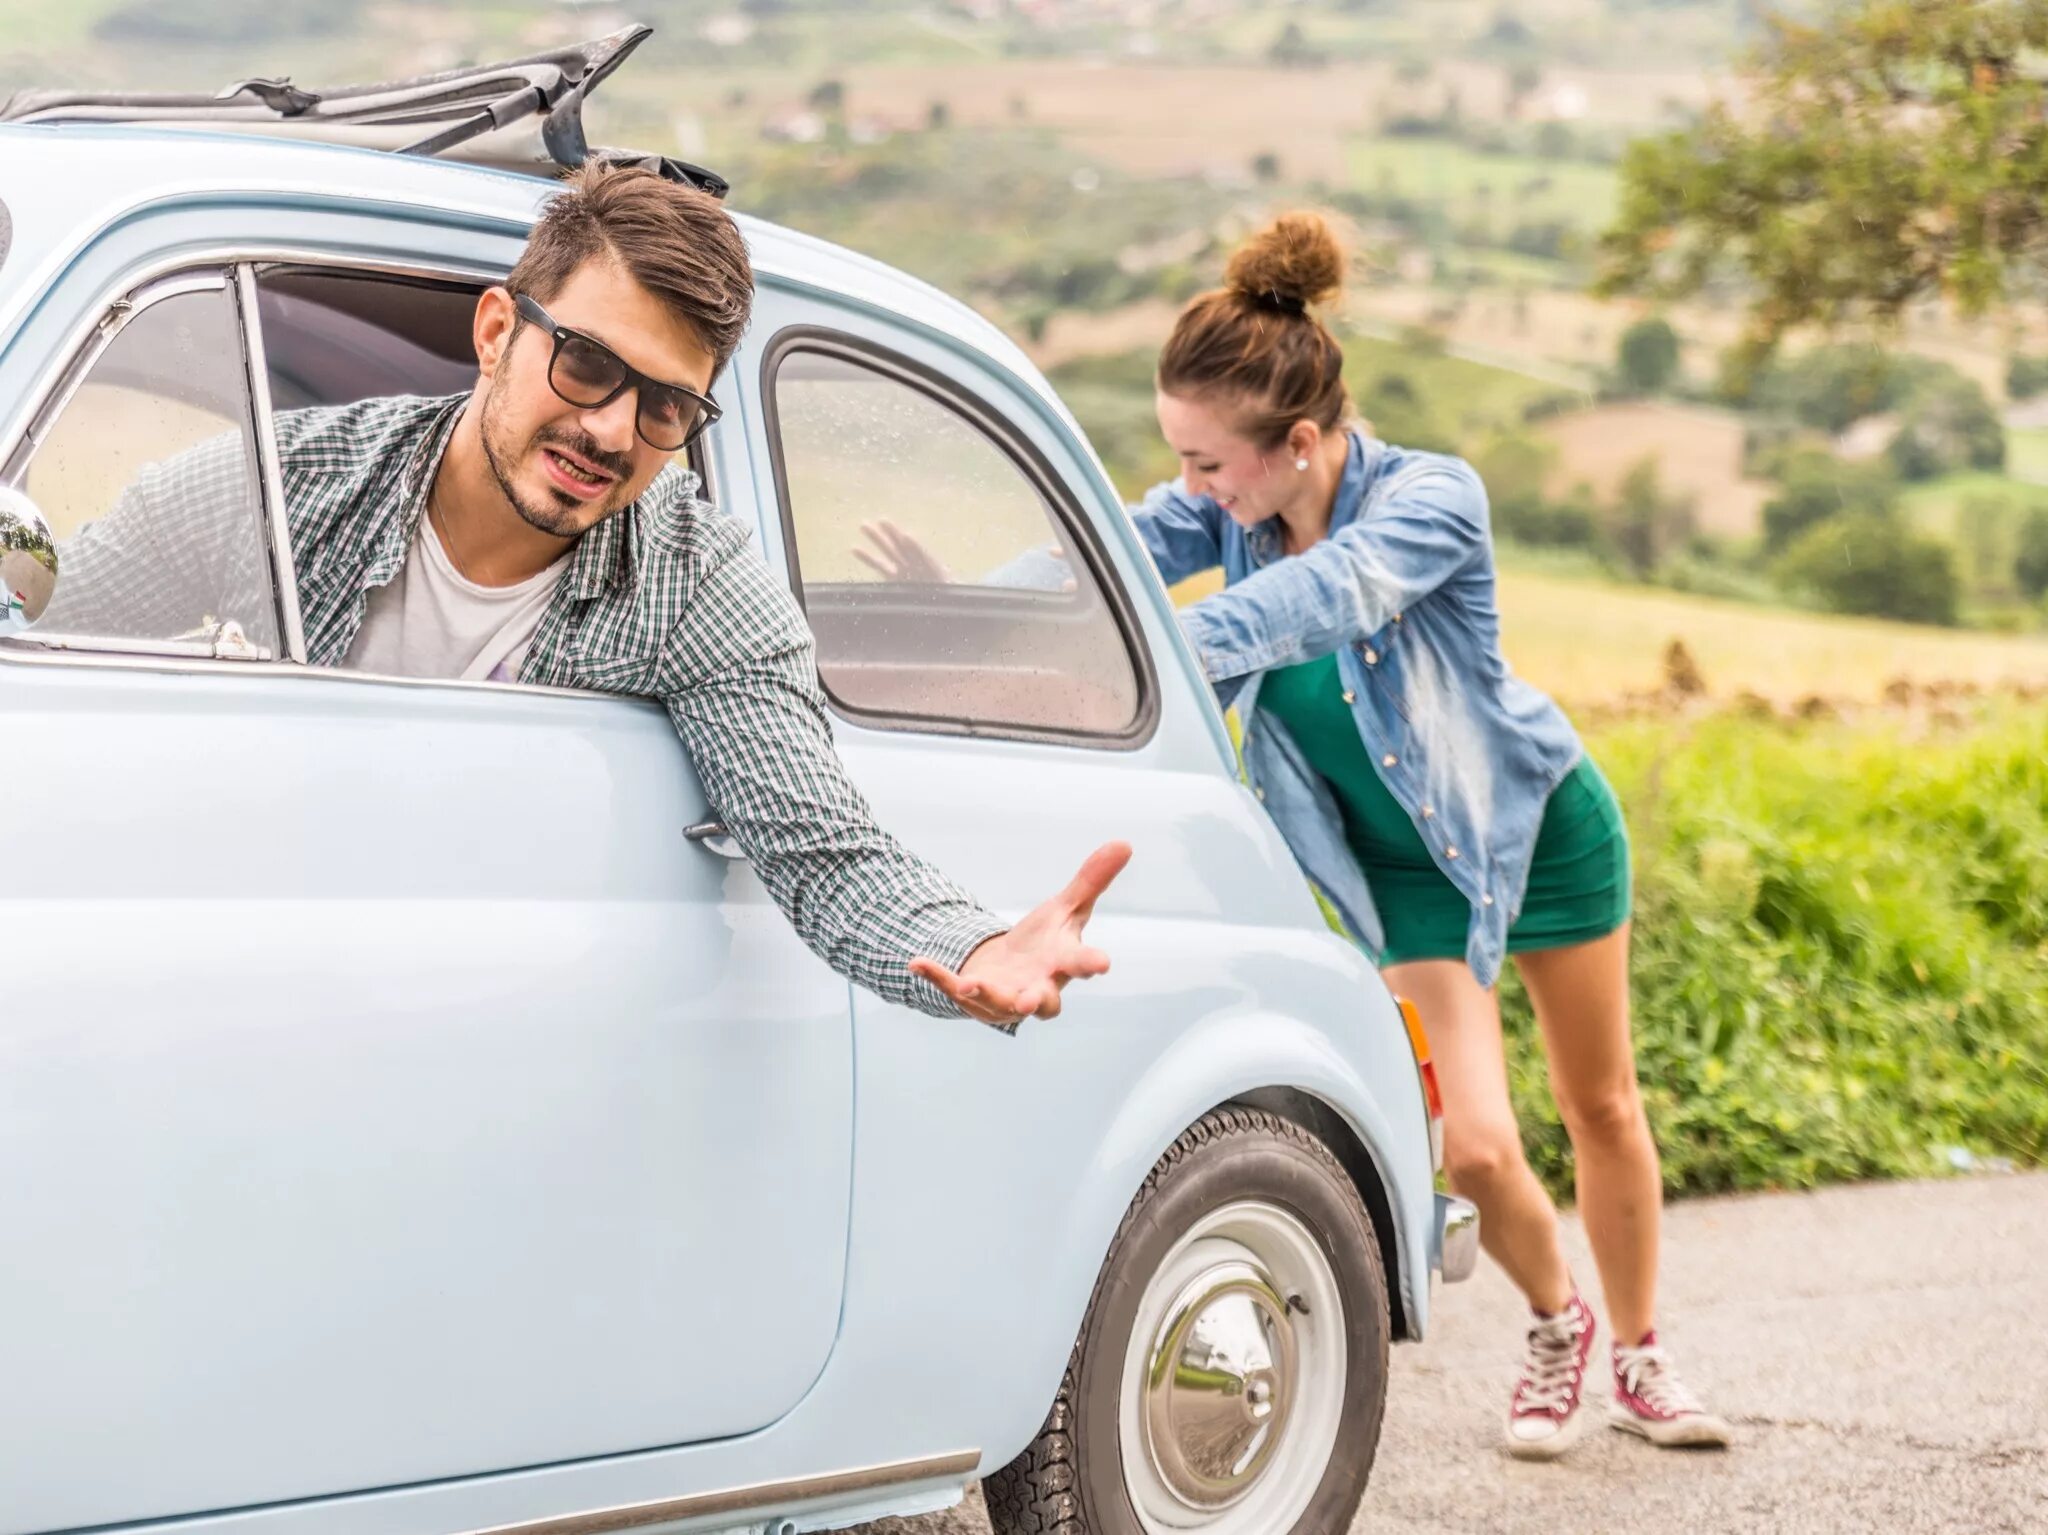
[1516, 467]
[1829, 388]
[1265, 167]
[2026, 376]
[1889, 151]
[1816, 486]
[2030, 561]
[828, 96]
[1292, 49]
[1523, 78]
[1873, 564]
[1647, 356]
[1645, 525]
[1947, 425]
[1987, 541]
[938, 116]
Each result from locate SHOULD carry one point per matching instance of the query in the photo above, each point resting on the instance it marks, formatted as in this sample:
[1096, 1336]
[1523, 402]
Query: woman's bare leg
[1482, 1147]
[1581, 998]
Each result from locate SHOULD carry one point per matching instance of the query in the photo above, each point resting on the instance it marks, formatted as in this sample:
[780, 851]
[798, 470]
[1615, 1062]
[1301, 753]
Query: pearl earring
[1301, 464]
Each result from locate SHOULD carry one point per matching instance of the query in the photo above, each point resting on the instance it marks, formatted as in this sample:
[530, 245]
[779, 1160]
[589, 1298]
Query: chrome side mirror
[28, 561]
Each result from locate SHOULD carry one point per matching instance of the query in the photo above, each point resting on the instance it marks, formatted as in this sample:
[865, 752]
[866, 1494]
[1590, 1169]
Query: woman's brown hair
[1256, 340]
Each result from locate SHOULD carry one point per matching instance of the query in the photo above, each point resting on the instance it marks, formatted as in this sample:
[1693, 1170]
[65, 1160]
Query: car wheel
[1232, 1368]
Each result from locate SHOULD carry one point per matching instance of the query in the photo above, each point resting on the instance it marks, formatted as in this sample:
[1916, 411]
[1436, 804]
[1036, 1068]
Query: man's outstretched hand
[1019, 974]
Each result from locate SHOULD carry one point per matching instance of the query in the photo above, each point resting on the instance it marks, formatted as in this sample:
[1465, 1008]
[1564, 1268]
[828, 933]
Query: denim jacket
[1402, 591]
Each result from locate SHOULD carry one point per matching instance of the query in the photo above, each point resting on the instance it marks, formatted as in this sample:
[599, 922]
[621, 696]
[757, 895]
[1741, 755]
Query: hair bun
[1293, 262]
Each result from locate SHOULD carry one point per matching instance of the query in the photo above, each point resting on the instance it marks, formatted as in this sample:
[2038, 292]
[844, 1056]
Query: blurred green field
[1934, 504]
[2026, 454]
[1467, 398]
[1473, 186]
[1351, 34]
[1589, 642]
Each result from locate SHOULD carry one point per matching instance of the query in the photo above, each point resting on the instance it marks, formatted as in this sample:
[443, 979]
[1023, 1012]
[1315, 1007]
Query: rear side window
[946, 583]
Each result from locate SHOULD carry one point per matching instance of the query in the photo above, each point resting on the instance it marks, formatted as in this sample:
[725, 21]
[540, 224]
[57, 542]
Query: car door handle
[713, 836]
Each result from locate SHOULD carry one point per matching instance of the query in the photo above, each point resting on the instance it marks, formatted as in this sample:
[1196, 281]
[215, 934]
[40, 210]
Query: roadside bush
[1873, 564]
[1841, 950]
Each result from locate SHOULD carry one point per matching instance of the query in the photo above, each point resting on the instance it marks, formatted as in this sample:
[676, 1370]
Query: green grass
[2026, 454]
[1470, 185]
[1506, 267]
[1933, 505]
[1455, 393]
[1841, 950]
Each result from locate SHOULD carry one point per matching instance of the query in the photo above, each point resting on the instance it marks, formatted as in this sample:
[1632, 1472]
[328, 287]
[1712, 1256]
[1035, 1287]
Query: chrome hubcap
[1233, 1379]
[1220, 1386]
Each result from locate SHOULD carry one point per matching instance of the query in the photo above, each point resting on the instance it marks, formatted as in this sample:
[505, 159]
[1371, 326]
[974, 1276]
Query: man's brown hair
[675, 241]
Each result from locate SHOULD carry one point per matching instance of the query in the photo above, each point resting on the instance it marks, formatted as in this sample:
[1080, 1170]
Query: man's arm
[739, 680]
[181, 543]
[757, 735]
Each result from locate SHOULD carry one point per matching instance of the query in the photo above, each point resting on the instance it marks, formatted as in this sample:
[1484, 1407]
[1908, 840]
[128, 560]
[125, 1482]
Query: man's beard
[560, 514]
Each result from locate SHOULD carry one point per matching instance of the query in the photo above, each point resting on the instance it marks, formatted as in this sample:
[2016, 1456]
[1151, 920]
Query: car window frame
[1072, 526]
[232, 264]
[60, 388]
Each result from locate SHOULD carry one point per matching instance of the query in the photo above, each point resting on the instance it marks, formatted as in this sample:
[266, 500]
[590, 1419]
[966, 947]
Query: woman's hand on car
[896, 554]
[1019, 974]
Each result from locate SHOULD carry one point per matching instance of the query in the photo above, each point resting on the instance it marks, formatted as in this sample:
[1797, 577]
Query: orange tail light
[1425, 1067]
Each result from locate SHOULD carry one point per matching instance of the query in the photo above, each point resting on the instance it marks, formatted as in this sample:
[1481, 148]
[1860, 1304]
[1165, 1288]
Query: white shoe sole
[1553, 1446]
[1695, 1431]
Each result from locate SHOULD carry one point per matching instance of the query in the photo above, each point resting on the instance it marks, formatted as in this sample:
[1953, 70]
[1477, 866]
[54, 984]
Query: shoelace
[1547, 1384]
[1649, 1374]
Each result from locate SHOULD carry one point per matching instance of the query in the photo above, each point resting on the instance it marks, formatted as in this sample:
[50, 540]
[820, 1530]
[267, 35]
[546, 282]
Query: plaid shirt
[665, 599]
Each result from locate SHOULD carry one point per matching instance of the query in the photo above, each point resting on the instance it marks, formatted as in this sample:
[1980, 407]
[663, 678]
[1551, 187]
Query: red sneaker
[1650, 1399]
[1544, 1419]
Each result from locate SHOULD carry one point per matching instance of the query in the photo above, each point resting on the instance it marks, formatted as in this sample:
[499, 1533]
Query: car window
[147, 478]
[934, 564]
[332, 338]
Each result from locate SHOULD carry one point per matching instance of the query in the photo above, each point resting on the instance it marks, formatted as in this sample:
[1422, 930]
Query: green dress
[1578, 879]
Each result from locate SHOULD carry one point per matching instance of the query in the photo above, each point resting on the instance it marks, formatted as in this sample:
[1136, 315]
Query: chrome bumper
[1457, 1228]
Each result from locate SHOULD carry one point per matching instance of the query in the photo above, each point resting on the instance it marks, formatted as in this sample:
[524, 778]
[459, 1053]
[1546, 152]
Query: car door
[389, 1090]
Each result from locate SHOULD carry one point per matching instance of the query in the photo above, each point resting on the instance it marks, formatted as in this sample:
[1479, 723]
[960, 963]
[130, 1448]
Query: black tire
[1069, 1480]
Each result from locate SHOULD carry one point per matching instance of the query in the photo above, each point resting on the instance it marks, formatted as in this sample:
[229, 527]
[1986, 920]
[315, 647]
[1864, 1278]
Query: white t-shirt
[431, 621]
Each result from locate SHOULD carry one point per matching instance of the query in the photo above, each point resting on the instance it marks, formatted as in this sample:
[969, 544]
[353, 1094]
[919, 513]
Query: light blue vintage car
[366, 1172]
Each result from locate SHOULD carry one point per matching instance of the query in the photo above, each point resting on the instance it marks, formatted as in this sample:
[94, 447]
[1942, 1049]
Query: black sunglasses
[590, 375]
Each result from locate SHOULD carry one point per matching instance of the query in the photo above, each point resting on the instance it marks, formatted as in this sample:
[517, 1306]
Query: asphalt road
[1883, 1351]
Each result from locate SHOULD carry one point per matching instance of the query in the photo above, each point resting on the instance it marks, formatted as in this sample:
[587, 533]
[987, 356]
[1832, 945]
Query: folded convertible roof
[523, 115]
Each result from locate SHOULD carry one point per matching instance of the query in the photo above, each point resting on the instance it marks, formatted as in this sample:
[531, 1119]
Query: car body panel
[383, 1099]
[981, 1176]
